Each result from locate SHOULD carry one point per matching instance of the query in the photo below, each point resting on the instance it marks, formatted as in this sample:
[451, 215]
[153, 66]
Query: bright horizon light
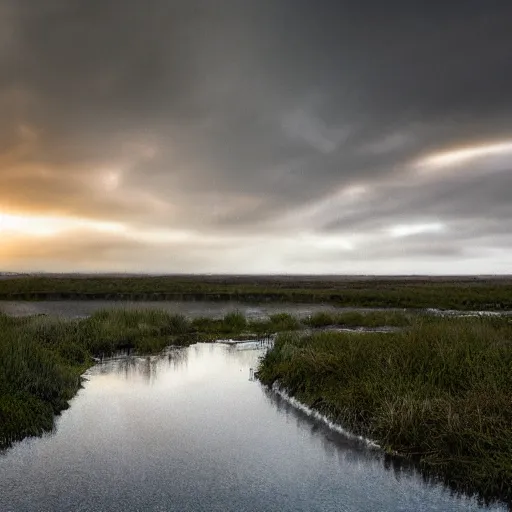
[461, 155]
[403, 230]
[12, 225]
[34, 225]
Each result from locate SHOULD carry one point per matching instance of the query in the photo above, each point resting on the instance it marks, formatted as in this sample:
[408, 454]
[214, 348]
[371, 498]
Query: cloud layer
[241, 136]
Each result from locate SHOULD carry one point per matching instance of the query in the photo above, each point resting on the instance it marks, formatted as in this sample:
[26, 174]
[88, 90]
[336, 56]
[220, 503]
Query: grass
[358, 319]
[439, 392]
[36, 380]
[235, 324]
[42, 358]
[446, 293]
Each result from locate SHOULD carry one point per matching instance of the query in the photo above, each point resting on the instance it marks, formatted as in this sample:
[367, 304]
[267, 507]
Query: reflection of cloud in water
[247, 355]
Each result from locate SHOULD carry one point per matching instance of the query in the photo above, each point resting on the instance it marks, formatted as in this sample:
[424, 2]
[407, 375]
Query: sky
[243, 136]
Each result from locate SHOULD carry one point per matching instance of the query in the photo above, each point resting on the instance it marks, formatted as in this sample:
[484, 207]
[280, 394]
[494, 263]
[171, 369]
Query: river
[190, 430]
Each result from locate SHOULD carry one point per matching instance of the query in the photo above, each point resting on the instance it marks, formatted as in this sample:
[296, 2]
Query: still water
[81, 308]
[212, 309]
[191, 431]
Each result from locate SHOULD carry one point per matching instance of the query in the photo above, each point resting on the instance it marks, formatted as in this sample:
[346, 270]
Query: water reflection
[320, 430]
[188, 430]
[354, 452]
[142, 368]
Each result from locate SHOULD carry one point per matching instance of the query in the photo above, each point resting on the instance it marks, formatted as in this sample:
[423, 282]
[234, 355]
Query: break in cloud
[242, 136]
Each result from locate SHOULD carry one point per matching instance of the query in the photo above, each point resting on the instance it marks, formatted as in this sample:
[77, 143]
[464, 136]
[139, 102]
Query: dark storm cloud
[227, 115]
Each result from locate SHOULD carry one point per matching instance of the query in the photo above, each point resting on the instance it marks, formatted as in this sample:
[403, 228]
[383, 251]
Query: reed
[36, 379]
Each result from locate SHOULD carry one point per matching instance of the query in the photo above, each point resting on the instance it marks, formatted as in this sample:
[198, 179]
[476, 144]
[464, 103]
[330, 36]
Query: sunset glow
[41, 226]
[461, 155]
[190, 140]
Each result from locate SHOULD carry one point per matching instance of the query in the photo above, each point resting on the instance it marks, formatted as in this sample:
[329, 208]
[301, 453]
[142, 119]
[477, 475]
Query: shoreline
[420, 394]
[317, 415]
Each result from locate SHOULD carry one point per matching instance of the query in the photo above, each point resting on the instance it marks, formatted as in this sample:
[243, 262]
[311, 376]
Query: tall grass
[361, 319]
[447, 293]
[236, 324]
[42, 358]
[36, 380]
[439, 392]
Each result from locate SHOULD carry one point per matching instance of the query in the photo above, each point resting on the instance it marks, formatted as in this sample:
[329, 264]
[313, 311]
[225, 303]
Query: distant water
[81, 308]
[190, 431]
[213, 309]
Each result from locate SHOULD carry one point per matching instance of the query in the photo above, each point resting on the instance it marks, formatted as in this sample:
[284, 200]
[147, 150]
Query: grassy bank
[447, 293]
[439, 392]
[357, 319]
[42, 358]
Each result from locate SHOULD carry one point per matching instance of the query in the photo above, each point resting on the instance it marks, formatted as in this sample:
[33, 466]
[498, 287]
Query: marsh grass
[447, 293]
[236, 324]
[36, 379]
[361, 319]
[284, 322]
[439, 392]
[42, 358]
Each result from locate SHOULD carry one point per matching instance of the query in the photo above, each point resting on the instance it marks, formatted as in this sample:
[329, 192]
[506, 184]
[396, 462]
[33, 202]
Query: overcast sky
[256, 136]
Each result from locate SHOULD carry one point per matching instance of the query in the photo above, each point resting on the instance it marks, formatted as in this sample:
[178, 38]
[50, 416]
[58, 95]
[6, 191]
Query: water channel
[190, 430]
